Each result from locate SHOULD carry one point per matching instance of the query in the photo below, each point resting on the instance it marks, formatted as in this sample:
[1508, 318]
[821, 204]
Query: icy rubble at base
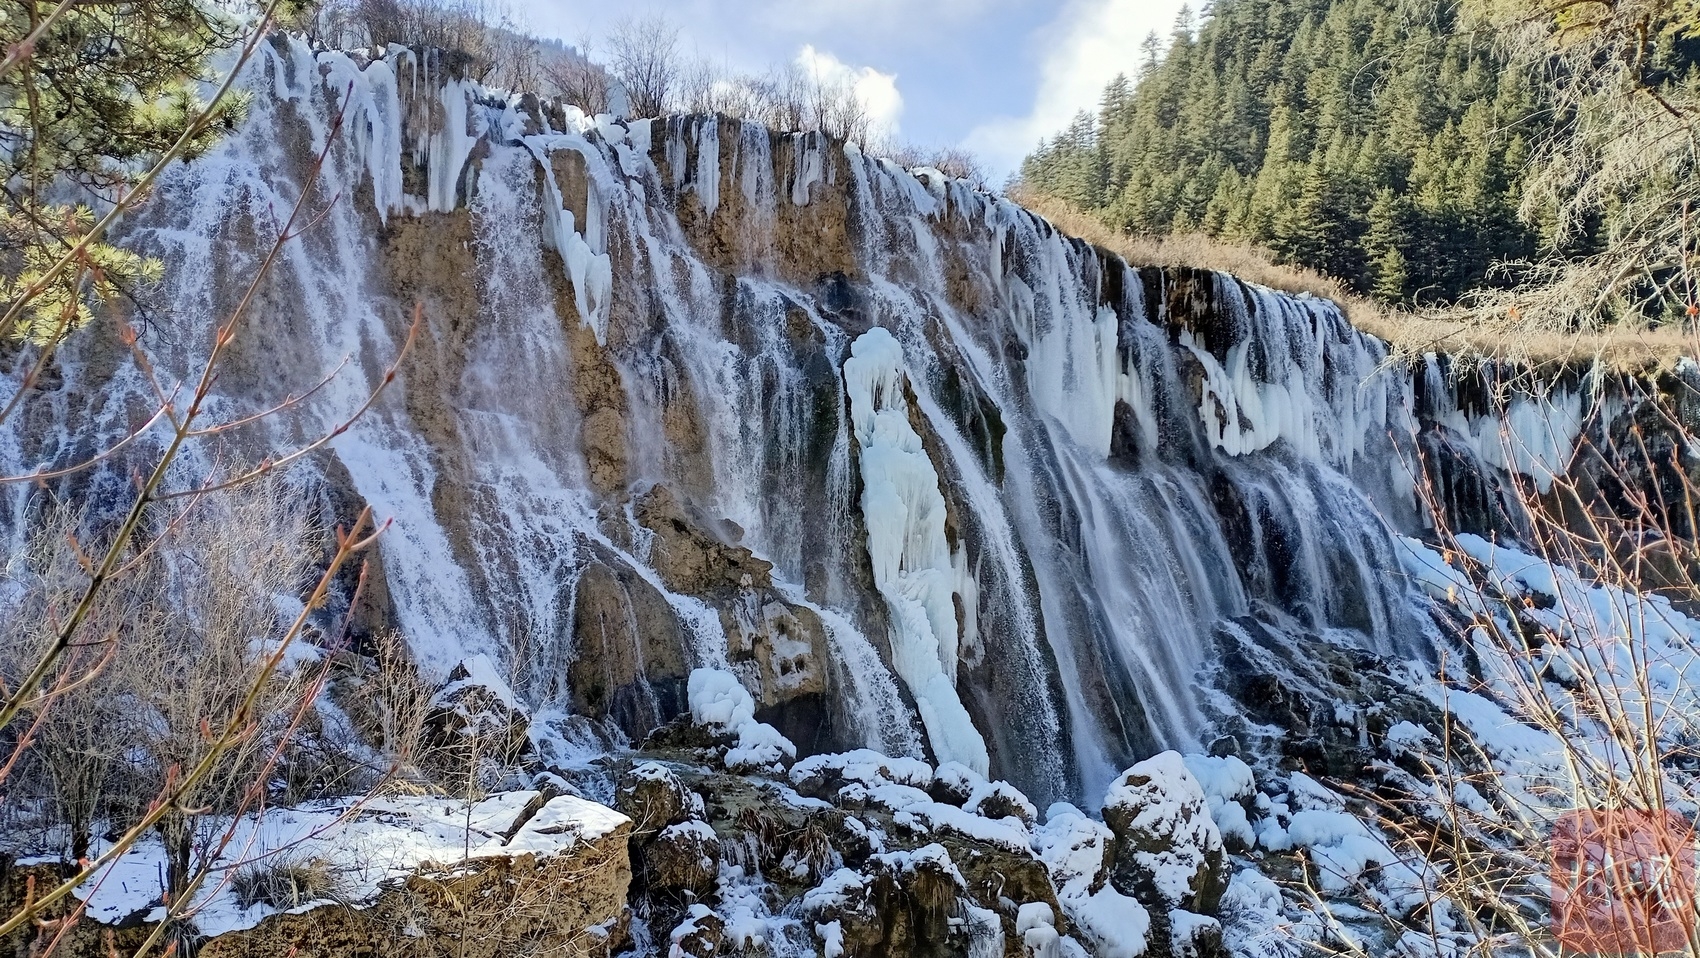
[1186, 929]
[1227, 782]
[693, 923]
[1638, 645]
[364, 844]
[1253, 923]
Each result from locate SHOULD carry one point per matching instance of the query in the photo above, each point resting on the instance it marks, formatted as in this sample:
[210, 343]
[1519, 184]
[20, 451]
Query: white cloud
[1087, 44]
[877, 91]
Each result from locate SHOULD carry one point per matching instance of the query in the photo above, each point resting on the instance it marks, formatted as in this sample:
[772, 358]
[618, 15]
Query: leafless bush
[179, 646]
[1575, 635]
[387, 701]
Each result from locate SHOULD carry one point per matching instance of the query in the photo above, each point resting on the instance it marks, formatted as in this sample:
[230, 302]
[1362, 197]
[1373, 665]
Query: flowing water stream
[1019, 483]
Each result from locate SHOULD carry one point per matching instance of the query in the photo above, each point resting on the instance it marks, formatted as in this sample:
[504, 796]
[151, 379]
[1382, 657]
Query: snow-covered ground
[360, 847]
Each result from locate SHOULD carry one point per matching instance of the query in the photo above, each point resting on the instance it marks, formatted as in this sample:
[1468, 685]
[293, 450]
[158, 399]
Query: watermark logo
[1623, 882]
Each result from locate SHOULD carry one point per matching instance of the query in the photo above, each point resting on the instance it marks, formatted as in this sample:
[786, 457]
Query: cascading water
[1008, 484]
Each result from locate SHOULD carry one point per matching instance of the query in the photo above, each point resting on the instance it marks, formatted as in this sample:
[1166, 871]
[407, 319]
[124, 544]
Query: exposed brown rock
[804, 243]
[571, 904]
[682, 858]
[629, 660]
[572, 179]
[605, 451]
[468, 721]
[687, 558]
[84, 939]
[788, 645]
[653, 797]
[701, 935]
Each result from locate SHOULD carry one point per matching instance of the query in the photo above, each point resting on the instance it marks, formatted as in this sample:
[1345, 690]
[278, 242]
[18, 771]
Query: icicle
[904, 512]
[451, 145]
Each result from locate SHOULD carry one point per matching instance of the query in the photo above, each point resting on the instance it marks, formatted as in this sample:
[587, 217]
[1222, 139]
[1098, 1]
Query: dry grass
[1456, 333]
[288, 882]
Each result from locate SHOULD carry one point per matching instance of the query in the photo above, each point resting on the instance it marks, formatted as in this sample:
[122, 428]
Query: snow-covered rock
[682, 858]
[1167, 847]
[1228, 785]
[898, 903]
[654, 797]
[719, 701]
[1077, 850]
[395, 859]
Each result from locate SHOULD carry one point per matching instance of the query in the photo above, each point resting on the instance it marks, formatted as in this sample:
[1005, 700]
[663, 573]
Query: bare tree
[643, 57]
[953, 161]
[836, 110]
[512, 59]
[578, 81]
[789, 98]
[1616, 178]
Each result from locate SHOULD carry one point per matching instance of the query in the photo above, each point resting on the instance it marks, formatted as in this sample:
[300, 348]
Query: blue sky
[992, 75]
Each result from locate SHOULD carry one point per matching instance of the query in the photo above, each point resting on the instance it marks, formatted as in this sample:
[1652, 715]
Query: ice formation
[905, 515]
[720, 701]
[1067, 488]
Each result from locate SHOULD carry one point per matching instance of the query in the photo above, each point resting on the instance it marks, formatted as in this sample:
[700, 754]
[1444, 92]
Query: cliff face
[927, 476]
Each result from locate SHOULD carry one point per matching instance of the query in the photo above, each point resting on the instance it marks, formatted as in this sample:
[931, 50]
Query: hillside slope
[1385, 144]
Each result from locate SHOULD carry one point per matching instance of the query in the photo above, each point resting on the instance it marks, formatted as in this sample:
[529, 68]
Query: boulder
[700, 935]
[900, 903]
[954, 784]
[786, 642]
[654, 798]
[1194, 936]
[1001, 800]
[630, 653]
[1167, 850]
[476, 720]
[544, 875]
[683, 858]
[687, 557]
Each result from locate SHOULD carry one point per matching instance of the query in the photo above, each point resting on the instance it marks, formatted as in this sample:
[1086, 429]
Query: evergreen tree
[1384, 244]
[89, 94]
[1381, 142]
